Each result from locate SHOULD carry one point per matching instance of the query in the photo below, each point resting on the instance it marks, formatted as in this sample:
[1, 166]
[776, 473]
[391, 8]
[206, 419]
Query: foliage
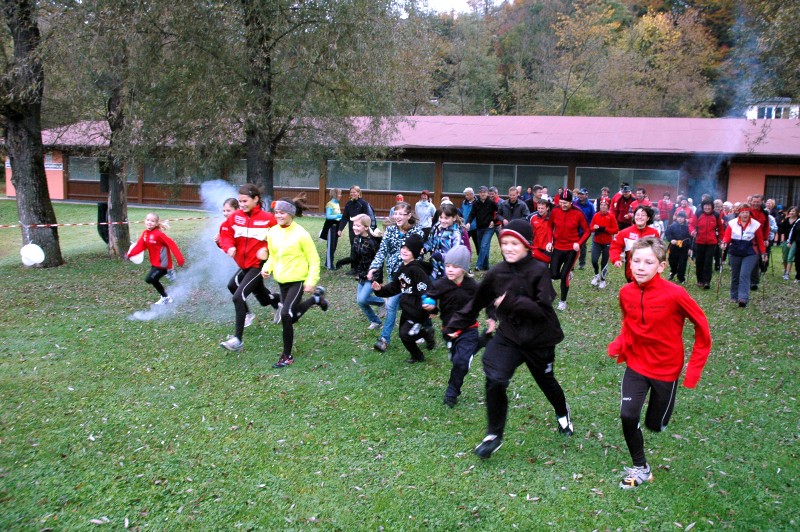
[150, 425]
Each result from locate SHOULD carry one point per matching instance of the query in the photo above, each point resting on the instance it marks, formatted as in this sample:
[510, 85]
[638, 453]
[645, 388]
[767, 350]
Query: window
[381, 175]
[655, 182]
[785, 190]
[159, 172]
[84, 169]
[457, 176]
[551, 177]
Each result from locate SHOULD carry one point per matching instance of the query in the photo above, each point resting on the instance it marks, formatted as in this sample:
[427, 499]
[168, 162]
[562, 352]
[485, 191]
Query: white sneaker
[373, 325]
[232, 344]
[277, 317]
[636, 476]
[785, 276]
[602, 284]
[164, 300]
[249, 318]
[595, 279]
[171, 276]
[562, 305]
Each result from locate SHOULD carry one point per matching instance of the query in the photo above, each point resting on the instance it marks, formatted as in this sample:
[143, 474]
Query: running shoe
[635, 477]
[249, 318]
[276, 318]
[164, 300]
[565, 424]
[374, 325]
[489, 445]
[283, 361]
[232, 344]
[595, 279]
[562, 305]
[319, 295]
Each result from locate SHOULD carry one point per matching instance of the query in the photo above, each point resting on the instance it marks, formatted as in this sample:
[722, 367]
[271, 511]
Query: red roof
[735, 136]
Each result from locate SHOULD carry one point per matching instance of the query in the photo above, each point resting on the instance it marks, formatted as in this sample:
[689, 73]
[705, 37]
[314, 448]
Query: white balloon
[138, 258]
[31, 255]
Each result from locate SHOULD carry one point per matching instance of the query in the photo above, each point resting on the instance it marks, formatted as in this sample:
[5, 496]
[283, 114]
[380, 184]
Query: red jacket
[542, 235]
[625, 239]
[566, 225]
[665, 210]
[158, 246]
[686, 210]
[651, 339]
[608, 227]
[761, 217]
[247, 232]
[708, 228]
[622, 209]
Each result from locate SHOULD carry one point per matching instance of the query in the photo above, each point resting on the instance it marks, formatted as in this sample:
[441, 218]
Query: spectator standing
[603, 195]
[512, 209]
[483, 212]
[787, 230]
[665, 208]
[425, 211]
[330, 229]
[466, 209]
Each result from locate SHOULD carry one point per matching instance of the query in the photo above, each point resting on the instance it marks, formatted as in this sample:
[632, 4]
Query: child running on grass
[411, 281]
[445, 235]
[294, 262]
[365, 245]
[651, 344]
[522, 294]
[624, 240]
[160, 248]
[452, 293]
[243, 237]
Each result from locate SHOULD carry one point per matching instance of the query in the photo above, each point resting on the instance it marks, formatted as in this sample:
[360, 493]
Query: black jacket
[451, 297]
[411, 281]
[526, 315]
[483, 213]
[353, 208]
[364, 250]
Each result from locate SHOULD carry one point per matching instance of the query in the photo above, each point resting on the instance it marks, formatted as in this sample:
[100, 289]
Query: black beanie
[519, 229]
[414, 244]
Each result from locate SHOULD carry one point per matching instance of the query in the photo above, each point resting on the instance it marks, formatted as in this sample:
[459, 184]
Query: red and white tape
[40, 226]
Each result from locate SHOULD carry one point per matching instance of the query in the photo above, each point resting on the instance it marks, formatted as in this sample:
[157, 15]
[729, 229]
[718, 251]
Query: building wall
[746, 179]
[54, 170]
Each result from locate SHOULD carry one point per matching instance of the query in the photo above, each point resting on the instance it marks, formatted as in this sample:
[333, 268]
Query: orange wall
[54, 169]
[748, 179]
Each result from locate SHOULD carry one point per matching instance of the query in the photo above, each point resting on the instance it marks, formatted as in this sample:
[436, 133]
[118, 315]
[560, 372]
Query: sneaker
[595, 279]
[249, 318]
[753, 287]
[232, 344]
[164, 300]
[489, 445]
[581, 266]
[381, 345]
[707, 286]
[319, 295]
[283, 361]
[374, 325]
[276, 318]
[785, 276]
[171, 276]
[635, 477]
[565, 425]
[672, 277]
[382, 310]
[430, 338]
[602, 284]
[742, 303]
[562, 305]
[450, 401]
[414, 360]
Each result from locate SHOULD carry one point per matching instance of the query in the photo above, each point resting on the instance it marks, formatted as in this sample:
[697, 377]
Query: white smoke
[200, 288]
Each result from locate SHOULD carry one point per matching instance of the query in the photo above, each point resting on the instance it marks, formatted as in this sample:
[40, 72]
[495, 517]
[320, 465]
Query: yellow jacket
[292, 255]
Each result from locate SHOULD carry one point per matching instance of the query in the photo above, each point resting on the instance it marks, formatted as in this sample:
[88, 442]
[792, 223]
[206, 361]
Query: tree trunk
[260, 162]
[21, 97]
[119, 234]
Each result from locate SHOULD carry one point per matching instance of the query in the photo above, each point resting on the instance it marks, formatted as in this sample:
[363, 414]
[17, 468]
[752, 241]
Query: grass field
[149, 424]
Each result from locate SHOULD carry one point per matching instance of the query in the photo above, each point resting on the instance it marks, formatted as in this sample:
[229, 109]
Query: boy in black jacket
[680, 242]
[412, 282]
[452, 293]
[521, 291]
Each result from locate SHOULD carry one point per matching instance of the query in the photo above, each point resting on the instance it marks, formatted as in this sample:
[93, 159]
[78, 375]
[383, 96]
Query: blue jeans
[366, 298]
[485, 238]
[391, 315]
[741, 268]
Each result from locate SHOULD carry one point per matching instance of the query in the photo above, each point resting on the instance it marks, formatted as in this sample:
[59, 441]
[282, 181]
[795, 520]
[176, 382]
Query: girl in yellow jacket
[294, 262]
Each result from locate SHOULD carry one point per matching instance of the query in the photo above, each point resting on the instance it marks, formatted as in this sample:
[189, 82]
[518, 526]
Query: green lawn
[151, 424]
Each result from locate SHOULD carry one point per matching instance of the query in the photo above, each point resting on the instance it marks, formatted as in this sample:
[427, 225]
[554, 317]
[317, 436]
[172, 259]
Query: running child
[160, 248]
[411, 281]
[542, 231]
[651, 344]
[624, 240]
[521, 292]
[680, 242]
[450, 294]
[444, 236]
[365, 245]
[229, 206]
[243, 237]
[294, 262]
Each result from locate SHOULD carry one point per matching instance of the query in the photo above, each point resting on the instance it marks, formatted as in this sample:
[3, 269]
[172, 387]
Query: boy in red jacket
[651, 344]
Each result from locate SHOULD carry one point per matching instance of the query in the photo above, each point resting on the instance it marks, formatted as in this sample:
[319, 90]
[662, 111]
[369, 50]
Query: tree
[21, 87]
